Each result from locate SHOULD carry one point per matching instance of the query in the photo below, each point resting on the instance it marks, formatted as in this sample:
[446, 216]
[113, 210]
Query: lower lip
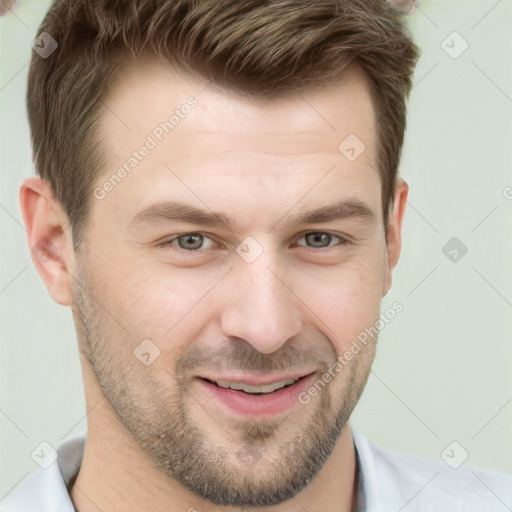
[264, 405]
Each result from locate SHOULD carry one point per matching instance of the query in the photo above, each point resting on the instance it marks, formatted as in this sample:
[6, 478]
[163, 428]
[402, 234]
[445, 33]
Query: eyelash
[342, 241]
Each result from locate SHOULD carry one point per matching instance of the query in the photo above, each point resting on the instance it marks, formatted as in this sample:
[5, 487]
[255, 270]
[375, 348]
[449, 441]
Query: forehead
[146, 94]
[205, 142]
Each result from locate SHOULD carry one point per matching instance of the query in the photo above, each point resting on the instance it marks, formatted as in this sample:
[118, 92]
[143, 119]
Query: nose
[261, 308]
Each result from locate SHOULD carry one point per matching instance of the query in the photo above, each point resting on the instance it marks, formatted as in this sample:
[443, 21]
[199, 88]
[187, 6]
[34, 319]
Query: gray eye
[190, 241]
[318, 239]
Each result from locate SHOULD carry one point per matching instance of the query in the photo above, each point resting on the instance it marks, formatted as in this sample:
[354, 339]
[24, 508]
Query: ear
[394, 231]
[49, 238]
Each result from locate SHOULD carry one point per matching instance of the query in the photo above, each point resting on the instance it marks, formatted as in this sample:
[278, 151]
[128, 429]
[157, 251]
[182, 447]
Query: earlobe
[49, 238]
[394, 231]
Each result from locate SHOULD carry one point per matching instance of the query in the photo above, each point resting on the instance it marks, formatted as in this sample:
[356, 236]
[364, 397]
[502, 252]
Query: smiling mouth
[255, 395]
[254, 390]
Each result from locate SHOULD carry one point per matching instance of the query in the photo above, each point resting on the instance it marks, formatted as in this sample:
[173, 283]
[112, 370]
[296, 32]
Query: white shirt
[388, 482]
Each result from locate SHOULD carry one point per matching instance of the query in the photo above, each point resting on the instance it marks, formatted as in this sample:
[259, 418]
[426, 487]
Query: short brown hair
[259, 47]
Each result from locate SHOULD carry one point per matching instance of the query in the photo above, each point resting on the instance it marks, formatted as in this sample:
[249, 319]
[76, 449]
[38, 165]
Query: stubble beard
[261, 469]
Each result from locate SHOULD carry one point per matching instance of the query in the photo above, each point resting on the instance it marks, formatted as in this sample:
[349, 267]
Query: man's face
[171, 307]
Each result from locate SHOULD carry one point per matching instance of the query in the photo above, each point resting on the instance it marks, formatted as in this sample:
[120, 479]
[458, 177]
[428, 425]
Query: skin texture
[156, 439]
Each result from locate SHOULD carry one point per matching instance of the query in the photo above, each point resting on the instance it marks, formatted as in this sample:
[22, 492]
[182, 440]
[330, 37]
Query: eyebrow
[167, 211]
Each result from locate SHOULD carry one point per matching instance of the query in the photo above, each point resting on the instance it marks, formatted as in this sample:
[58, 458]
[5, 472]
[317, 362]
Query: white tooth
[241, 386]
[247, 388]
[237, 386]
[289, 381]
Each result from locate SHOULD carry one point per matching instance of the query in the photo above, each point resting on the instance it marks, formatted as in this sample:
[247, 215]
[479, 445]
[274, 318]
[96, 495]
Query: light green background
[442, 371]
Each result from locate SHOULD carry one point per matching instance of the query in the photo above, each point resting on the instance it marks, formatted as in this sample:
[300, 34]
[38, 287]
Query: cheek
[159, 302]
[346, 299]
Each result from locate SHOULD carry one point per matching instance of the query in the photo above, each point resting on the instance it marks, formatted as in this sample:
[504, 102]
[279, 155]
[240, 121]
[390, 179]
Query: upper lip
[254, 379]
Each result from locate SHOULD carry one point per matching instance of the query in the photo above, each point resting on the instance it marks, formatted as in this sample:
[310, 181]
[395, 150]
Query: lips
[255, 396]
